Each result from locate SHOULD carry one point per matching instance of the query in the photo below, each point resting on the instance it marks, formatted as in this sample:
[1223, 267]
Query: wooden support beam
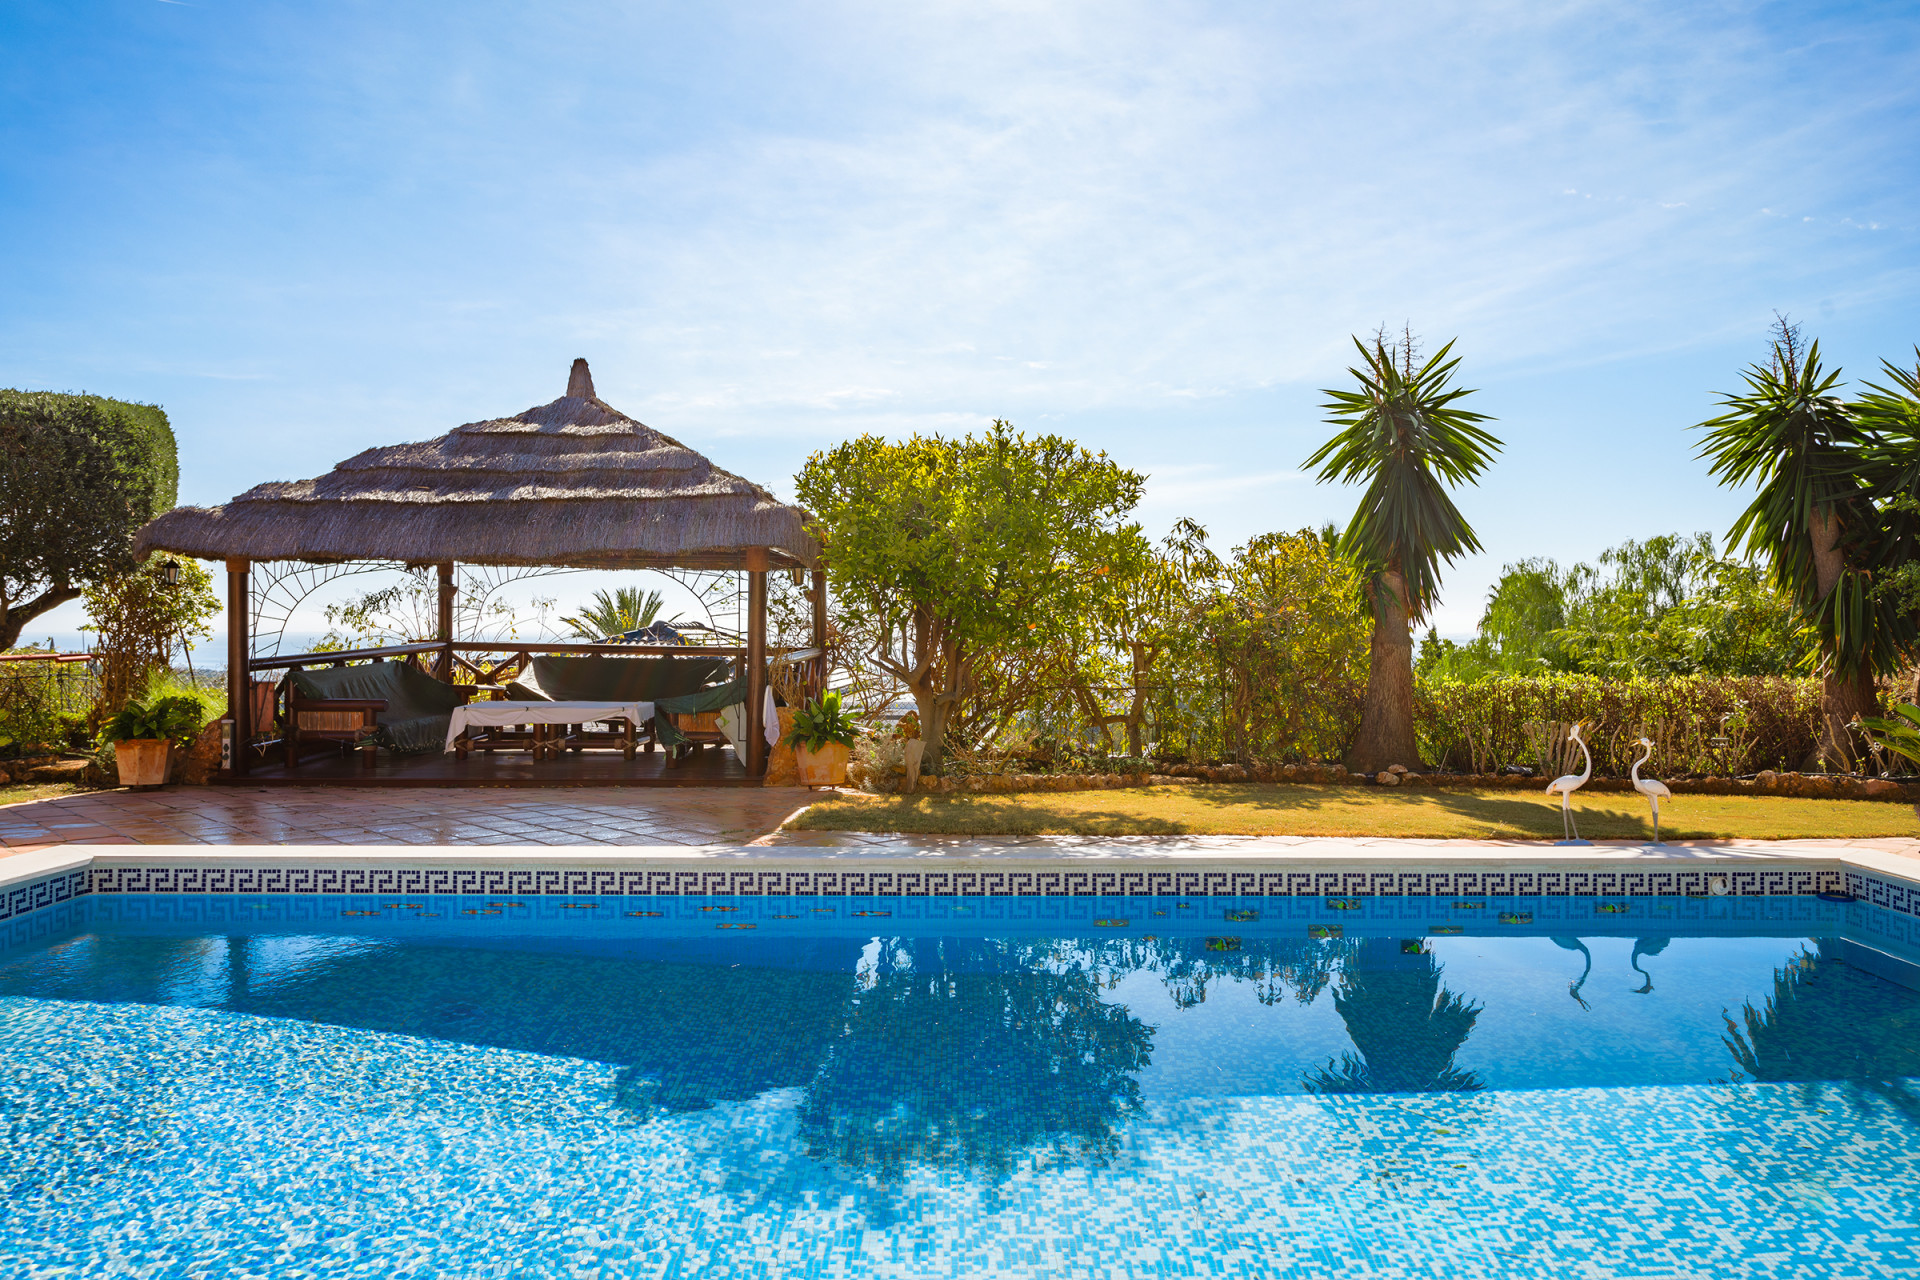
[819, 600]
[443, 668]
[239, 653]
[756, 661]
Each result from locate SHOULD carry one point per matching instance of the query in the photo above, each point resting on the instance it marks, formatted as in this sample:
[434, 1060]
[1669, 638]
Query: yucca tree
[1814, 520]
[614, 613]
[1402, 433]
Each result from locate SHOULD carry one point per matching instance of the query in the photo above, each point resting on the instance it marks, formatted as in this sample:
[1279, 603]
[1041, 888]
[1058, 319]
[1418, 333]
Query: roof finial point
[580, 381]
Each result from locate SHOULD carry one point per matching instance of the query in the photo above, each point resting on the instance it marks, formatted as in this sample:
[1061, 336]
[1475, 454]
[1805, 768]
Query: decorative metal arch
[281, 587]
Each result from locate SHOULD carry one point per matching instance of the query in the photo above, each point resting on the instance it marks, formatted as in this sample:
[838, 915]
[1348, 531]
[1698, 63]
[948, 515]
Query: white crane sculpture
[1565, 785]
[1652, 788]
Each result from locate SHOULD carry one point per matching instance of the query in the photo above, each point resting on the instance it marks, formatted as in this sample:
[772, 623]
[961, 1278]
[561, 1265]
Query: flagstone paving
[402, 816]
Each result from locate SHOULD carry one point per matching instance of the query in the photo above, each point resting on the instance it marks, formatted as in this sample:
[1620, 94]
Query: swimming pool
[682, 1086]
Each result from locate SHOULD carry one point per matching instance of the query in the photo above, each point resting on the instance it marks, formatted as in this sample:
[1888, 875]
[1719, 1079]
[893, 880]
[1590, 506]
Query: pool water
[442, 1086]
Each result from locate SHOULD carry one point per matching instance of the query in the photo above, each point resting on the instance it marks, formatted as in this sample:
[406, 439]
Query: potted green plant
[821, 737]
[144, 736]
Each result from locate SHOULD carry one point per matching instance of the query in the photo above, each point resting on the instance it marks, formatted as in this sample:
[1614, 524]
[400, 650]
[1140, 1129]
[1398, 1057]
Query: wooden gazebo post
[443, 668]
[756, 661]
[239, 655]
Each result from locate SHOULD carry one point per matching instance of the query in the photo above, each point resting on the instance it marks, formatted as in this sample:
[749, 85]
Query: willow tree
[1401, 433]
[1814, 521]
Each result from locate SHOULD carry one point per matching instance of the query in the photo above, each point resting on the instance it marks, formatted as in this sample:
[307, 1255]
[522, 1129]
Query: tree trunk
[1137, 710]
[1386, 724]
[14, 619]
[941, 672]
[1843, 694]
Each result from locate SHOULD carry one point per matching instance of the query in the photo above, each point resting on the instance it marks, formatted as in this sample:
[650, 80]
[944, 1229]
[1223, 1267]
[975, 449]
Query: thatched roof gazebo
[572, 483]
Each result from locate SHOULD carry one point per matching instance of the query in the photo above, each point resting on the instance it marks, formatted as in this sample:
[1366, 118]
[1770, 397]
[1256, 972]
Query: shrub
[176, 719]
[1768, 722]
[820, 722]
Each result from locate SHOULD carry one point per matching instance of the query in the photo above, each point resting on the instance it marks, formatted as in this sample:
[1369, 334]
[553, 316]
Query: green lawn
[1355, 811]
[16, 792]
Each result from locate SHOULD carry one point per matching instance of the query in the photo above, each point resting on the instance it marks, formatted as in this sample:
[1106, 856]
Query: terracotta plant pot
[143, 762]
[826, 767]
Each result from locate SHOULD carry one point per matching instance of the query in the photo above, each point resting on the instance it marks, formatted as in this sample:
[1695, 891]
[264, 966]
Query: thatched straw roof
[575, 482]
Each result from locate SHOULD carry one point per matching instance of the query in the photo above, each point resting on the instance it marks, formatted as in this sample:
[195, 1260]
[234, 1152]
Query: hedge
[1769, 722]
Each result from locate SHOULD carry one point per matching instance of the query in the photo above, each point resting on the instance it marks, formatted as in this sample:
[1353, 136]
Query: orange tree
[945, 550]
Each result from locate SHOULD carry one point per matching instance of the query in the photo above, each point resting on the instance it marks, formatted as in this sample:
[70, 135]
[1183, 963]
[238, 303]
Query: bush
[1769, 722]
[176, 719]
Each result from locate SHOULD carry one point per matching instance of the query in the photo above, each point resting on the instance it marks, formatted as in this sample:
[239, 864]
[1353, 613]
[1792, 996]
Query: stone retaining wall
[1823, 786]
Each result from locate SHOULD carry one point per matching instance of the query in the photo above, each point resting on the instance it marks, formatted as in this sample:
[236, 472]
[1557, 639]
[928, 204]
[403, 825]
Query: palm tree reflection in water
[1829, 1021]
[1406, 1026]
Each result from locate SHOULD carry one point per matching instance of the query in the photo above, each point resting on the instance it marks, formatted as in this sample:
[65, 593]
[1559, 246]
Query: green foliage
[79, 475]
[1768, 722]
[1284, 631]
[1402, 434]
[177, 719]
[140, 618]
[820, 722]
[614, 613]
[1666, 606]
[944, 552]
[1818, 465]
[1898, 733]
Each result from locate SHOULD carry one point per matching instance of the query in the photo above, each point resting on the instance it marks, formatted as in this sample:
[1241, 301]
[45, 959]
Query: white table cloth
[508, 713]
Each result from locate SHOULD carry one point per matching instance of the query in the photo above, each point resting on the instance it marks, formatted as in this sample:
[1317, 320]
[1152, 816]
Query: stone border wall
[1813, 786]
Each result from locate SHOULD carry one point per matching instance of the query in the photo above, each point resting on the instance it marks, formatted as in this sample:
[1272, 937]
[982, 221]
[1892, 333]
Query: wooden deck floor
[711, 767]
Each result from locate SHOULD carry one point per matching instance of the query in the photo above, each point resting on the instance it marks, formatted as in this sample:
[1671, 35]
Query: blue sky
[309, 228]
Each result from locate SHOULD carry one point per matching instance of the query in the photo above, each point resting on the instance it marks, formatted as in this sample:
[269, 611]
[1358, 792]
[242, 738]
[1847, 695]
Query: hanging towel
[772, 719]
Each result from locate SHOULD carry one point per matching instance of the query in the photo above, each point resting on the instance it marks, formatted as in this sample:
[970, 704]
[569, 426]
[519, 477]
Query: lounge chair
[389, 704]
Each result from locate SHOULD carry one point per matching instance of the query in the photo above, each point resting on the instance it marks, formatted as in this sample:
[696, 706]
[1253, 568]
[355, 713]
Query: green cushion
[597, 677]
[419, 708]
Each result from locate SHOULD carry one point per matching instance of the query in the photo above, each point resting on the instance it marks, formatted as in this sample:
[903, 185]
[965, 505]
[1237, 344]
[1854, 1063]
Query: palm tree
[1401, 433]
[625, 609]
[1813, 519]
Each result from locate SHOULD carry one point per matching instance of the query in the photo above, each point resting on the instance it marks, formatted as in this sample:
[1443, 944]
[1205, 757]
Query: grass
[1355, 811]
[20, 792]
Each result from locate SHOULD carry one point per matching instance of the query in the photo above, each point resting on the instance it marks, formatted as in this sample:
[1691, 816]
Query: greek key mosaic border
[33, 895]
[16, 901]
[1146, 882]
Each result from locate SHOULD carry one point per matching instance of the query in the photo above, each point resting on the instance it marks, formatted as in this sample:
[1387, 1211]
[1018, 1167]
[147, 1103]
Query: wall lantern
[170, 573]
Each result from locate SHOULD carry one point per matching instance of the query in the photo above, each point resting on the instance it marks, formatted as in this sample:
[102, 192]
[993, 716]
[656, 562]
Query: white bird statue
[1565, 785]
[1652, 788]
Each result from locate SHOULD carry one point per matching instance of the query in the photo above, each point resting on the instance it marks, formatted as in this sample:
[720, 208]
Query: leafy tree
[945, 551]
[1284, 626]
[79, 475]
[140, 618]
[1402, 433]
[1146, 612]
[1814, 521]
[1669, 605]
[614, 613]
[1672, 606]
[966, 1052]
